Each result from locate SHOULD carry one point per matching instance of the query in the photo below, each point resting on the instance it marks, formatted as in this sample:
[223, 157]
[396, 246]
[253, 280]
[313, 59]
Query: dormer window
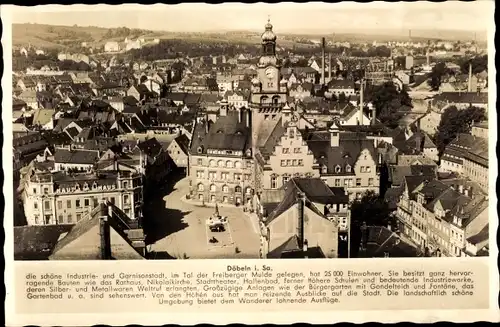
[220, 131]
[338, 169]
[200, 149]
[324, 169]
[348, 168]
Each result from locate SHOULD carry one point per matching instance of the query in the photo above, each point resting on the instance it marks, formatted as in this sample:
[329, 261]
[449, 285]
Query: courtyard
[177, 228]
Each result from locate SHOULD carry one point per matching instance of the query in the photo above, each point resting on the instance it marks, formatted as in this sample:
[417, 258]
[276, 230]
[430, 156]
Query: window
[45, 190]
[224, 199]
[86, 202]
[37, 219]
[112, 200]
[238, 164]
[68, 204]
[225, 189]
[200, 162]
[220, 163]
[285, 150]
[348, 169]
[358, 181]
[291, 133]
[337, 169]
[237, 177]
[301, 162]
[248, 177]
[201, 197]
[200, 174]
[47, 205]
[125, 184]
[248, 190]
[370, 181]
[237, 189]
[283, 163]
[274, 182]
[224, 176]
[362, 169]
[78, 217]
[200, 187]
[229, 164]
[294, 162]
[34, 190]
[285, 179]
[337, 182]
[60, 219]
[59, 205]
[212, 175]
[212, 163]
[289, 162]
[368, 169]
[96, 202]
[35, 205]
[213, 188]
[297, 150]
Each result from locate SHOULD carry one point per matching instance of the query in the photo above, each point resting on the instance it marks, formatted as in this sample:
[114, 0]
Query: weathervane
[268, 18]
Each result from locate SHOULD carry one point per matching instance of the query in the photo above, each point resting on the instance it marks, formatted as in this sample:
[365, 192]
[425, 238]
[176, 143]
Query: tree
[436, 76]
[454, 122]
[371, 209]
[388, 101]
[478, 63]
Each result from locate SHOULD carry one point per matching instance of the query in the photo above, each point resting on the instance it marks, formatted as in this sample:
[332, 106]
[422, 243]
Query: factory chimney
[469, 86]
[330, 66]
[323, 61]
[361, 104]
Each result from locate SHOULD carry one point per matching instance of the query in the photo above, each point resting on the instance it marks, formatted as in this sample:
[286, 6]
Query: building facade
[61, 198]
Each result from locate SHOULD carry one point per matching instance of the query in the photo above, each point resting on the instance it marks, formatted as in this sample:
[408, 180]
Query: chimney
[334, 136]
[330, 66]
[247, 121]
[300, 216]
[469, 86]
[305, 249]
[323, 61]
[361, 104]
[104, 231]
[374, 114]
[364, 235]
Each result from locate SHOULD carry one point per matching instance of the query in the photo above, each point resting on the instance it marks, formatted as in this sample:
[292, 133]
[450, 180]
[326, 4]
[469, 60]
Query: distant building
[112, 46]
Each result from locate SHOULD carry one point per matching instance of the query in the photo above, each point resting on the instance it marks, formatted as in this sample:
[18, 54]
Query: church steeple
[268, 46]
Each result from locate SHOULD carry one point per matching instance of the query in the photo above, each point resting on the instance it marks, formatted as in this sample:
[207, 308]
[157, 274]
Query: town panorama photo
[250, 132]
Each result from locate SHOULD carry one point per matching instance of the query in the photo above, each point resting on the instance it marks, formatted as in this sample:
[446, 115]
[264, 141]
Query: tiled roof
[76, 156]
[346, 153]
[225, 134]
[462, 97]
[183, 142]
[118, 221]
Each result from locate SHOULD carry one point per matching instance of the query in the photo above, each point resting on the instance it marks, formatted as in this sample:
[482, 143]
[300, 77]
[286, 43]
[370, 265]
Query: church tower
[268, 94]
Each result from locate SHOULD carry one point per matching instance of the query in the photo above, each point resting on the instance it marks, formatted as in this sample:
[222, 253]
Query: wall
[296, 152]
[318, 231]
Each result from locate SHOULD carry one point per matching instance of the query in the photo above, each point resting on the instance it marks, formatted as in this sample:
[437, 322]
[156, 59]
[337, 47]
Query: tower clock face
[270, 73]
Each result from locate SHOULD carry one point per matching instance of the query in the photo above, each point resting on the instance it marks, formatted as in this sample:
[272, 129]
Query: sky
[286, 17]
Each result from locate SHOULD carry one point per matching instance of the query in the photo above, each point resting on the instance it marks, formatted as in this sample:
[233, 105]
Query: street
[177, 229]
